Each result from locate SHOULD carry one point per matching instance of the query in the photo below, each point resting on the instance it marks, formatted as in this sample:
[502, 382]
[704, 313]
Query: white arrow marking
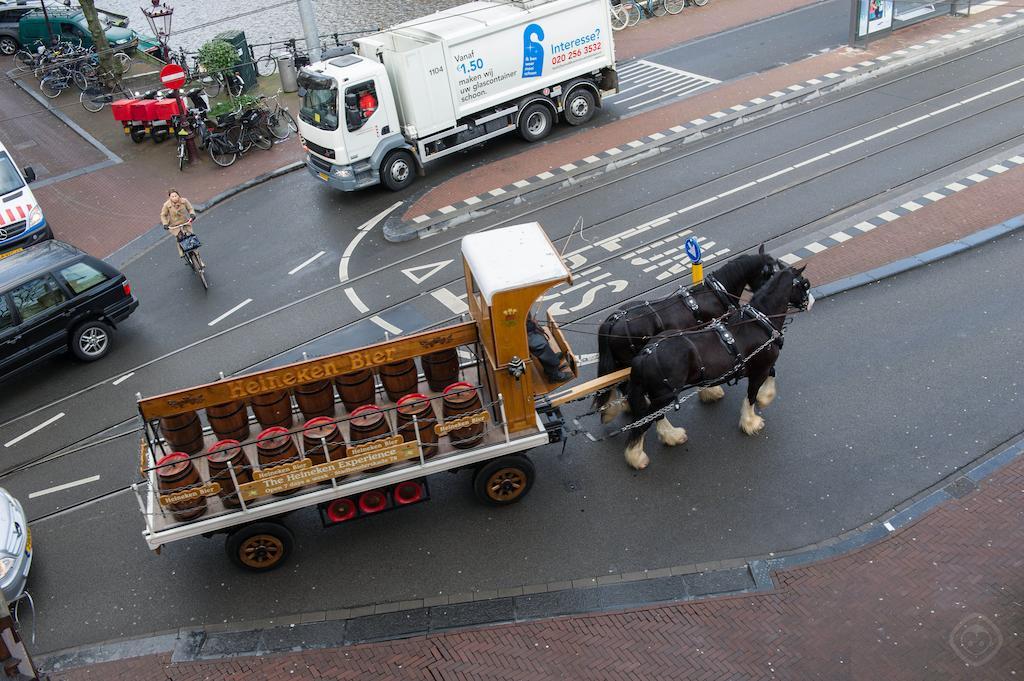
[432, 269]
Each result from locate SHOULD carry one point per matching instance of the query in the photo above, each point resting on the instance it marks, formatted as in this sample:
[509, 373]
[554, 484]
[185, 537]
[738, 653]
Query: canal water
[196, 21]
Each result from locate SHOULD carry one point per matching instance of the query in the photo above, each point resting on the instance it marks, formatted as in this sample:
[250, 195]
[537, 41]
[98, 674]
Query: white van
[21, 219]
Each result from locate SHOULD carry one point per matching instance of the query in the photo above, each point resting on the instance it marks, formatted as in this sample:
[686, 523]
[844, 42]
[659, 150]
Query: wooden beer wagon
[236, 455]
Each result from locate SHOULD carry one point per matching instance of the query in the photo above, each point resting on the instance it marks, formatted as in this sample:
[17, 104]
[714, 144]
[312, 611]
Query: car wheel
[90, 341]
[8, 45]
[398, 170]
[535, 122]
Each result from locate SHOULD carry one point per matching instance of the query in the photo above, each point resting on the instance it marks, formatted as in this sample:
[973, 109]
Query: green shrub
[217, 56]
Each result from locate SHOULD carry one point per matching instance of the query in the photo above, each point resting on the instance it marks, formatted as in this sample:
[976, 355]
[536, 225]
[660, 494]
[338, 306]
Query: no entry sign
[172, 76]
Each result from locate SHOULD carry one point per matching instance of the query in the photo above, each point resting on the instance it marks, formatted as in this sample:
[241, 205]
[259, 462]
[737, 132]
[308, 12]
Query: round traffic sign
[172, 76]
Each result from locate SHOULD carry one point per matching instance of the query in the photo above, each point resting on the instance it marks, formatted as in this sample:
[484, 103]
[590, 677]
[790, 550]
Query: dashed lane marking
[893, 213]
[450, 300]
[230, 312]
[305, 262]
[675, 132]
[61, 488]
[33, 431]
[124, 378]
[363, 230]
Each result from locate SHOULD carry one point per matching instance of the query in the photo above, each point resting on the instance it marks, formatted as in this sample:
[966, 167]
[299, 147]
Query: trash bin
[289, 74]
[245, 68]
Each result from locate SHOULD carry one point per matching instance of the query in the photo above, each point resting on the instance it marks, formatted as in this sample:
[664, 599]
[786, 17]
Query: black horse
[746, 344]
[628, 329]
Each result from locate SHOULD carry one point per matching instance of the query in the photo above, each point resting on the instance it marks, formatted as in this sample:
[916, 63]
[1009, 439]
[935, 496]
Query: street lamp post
[159, 18]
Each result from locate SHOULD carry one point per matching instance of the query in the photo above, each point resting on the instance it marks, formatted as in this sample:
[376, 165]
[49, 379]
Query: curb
[111, 156]
[613, 592]
[914, 261]
[398, 230]
[609, 593]
[146, 241]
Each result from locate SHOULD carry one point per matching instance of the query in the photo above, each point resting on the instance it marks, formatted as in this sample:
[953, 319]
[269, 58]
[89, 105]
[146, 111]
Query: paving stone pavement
[942, 598]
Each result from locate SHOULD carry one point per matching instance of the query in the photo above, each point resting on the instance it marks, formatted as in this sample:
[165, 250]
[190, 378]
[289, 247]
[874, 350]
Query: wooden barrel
[175, 472]
[356, 389]
[462, 398]
[441, 368]
[399, 378]
[367, 423]
[315, 399]
[217, 459]
[275, 446]
[229, 421]
[419, 406]
[273, 409]
[318, 430]
[183, 431]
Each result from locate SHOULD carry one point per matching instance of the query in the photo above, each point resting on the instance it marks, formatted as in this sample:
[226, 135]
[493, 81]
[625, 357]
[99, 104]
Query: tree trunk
[99, 38]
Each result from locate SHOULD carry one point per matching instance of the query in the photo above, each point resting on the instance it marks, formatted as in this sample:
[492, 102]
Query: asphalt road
[827, 463]
[869, 412]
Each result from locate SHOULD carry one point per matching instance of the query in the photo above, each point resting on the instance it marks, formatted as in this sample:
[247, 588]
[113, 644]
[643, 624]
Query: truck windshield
[320, 108]
[10, 179]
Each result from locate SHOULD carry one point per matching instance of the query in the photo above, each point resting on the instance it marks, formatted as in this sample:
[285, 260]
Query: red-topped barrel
[415, 413]
[218, 458]
[274, 447]
[318, 431]
[176, 473]
[462, 399]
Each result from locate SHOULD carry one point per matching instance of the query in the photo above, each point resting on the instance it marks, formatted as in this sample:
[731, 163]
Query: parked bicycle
[278, 120]
[222, 150]
[102, 91]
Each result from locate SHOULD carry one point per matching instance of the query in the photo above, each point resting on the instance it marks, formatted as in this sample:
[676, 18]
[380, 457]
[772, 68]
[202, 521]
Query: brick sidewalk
[101, 210]
[888, 611]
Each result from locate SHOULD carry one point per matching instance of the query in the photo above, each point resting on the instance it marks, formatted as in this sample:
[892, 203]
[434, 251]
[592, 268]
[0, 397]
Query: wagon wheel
[504, 480]
[260, 546]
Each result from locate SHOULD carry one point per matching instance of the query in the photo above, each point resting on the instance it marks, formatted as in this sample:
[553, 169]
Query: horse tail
[605, 360]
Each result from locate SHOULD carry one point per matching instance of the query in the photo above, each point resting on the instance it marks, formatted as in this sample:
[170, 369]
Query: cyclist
[176, 216]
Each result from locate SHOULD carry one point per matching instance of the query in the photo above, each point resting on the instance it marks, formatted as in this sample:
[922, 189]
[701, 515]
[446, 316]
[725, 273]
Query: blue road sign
[692, 250]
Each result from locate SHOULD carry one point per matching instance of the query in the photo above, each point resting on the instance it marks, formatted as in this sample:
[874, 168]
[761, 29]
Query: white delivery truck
[443, 83]
[21, 219]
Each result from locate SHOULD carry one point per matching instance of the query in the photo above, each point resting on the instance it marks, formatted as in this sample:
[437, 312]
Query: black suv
[54, 297]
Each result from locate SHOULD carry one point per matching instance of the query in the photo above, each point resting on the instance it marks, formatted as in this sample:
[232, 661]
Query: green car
[70, 24]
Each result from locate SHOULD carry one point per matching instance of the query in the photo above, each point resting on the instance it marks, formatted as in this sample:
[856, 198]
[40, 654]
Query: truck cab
[21, 219]
[351, 124]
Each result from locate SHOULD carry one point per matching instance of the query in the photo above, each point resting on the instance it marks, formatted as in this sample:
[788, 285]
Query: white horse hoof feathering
[636, 456]
[669, 435]
[766, 393]
[613, 407]
[750, 422]
[712, 394]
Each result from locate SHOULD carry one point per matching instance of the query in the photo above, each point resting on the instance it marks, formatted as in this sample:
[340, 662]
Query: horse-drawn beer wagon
[358, 432]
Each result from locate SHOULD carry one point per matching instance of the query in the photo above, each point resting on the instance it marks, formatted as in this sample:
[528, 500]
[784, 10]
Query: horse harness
[729, 341]
[633, 341]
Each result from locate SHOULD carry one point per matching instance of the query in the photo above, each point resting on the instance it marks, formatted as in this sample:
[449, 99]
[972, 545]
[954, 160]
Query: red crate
[163, 109]
[141, 110]
[122, 109]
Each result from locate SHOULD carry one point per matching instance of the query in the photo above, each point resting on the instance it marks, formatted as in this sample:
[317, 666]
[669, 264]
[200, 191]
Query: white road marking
[985, 6]
[61, 488]
[236, 308]
[363, 230]
[450, 300]
[354, 299]
[432, 269]
[888, 526]
[32, 431]
[304, 263]
[587, 359]
[124, 378]
[386, 325]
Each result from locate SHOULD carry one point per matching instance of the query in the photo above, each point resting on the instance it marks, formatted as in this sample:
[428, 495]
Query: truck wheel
[398, 170]
[90, 341]
[504, 480]
[535, 122]
[579, 106]
[260, 546]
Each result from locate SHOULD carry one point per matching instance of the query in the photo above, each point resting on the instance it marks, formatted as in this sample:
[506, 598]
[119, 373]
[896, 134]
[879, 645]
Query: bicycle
[245, 130]
[183, 135]
[222, 150]
[624, 13]
[265, 65]
[279, 121]
[96, 96]
[190, 244]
